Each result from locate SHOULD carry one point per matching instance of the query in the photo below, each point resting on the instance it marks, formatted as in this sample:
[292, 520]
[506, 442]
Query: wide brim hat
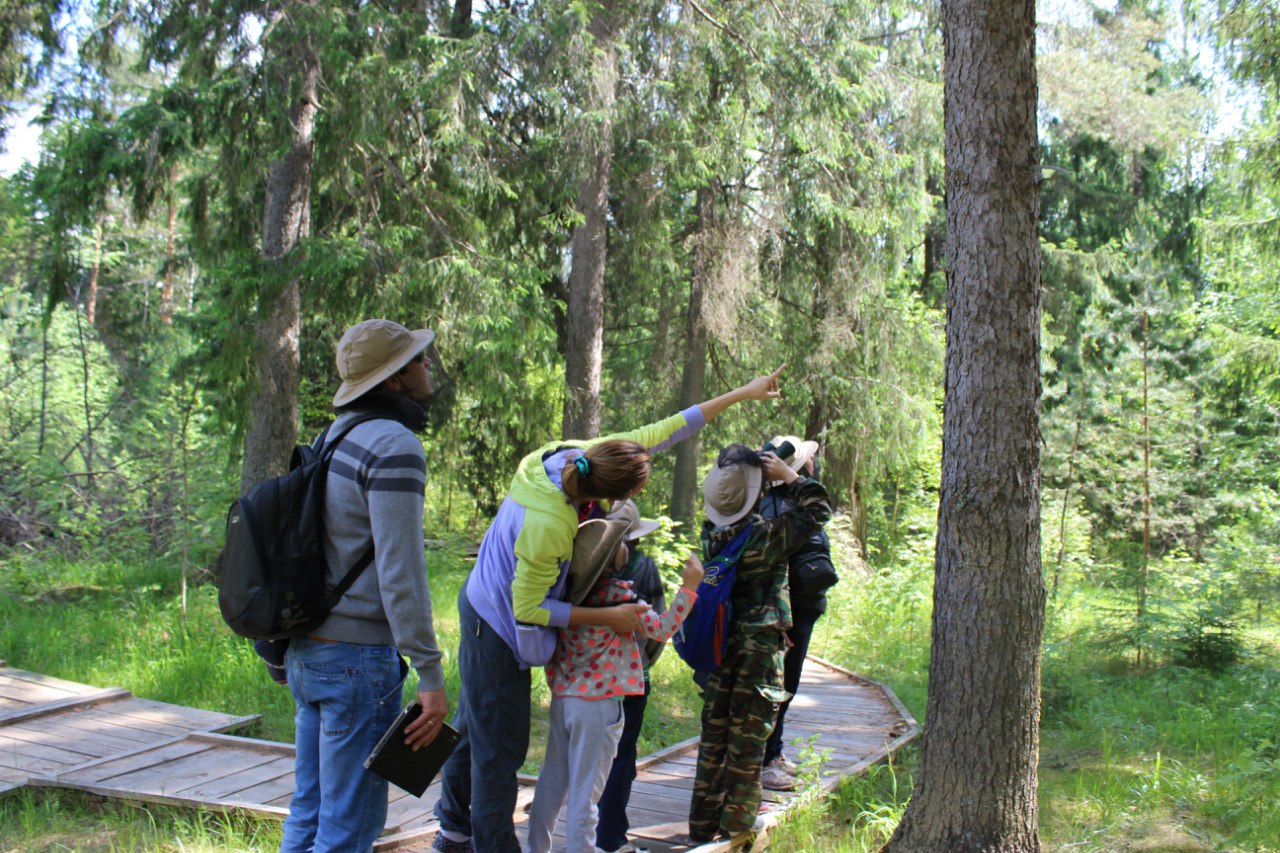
[805, 450]
[626, 510]
[371, 352]
[593, 550]
[730, 492]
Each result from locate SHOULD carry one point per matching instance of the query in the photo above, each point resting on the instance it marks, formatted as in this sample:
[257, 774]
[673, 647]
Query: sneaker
[444, 845]
[628, 847]
[785, 765]
[776, 779]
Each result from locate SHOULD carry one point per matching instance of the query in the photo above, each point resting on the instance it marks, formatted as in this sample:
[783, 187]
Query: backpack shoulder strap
[326, 451]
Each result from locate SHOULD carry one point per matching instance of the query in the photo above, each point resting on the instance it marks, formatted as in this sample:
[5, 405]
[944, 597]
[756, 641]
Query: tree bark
[584, 344]
[976, 788]
[273, 429]
[91, 296]
[693, 383]
[170, 258]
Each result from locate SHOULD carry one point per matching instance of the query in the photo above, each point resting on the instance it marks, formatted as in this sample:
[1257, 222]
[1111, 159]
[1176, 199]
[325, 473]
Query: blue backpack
[702, 640]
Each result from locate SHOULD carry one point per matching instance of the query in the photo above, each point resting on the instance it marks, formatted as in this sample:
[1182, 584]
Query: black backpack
[273, 573]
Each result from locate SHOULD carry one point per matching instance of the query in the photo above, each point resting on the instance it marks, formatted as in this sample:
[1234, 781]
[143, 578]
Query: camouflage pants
[739, 708]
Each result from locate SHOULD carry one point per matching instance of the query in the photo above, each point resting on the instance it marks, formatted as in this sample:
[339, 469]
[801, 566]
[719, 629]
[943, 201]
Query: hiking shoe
[785, 765]
[444, 845]
[777, 779]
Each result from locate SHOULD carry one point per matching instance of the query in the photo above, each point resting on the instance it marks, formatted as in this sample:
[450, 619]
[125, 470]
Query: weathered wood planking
[21, 689]
[848, 722]
[49, 725]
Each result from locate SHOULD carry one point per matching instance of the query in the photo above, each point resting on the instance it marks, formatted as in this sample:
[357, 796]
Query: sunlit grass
[48, 820]
[1165, 759]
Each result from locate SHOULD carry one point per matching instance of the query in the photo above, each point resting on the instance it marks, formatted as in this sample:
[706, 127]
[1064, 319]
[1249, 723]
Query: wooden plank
[270, 791]
[92, 736]
[653, 790]
[27, 756]
[167, 776]
[21, 714]
[274, 747]
[112, 767]
[424, 834]
[228, 787]
[255, 809]
[410, 811]
[146, 713]
[204, 769]
[19, 740]
[25, 679]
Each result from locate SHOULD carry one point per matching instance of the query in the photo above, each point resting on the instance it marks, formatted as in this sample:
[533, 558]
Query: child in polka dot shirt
[593, 668]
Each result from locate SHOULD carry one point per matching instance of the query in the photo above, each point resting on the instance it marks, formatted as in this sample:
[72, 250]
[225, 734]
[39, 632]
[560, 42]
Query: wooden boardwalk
[108, 742]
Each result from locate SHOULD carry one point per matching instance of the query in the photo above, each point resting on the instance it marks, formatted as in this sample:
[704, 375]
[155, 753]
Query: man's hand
[435, 707]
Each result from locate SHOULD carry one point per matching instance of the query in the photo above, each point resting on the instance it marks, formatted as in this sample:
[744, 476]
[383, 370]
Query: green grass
[1165, 759]
[47, 820]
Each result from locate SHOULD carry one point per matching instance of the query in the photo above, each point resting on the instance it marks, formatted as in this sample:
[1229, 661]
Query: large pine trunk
[273, 429]
[693, 382]
[976, 789]
[585, 321]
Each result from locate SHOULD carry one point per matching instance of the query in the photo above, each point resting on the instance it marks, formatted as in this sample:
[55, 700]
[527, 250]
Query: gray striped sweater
[375, 494]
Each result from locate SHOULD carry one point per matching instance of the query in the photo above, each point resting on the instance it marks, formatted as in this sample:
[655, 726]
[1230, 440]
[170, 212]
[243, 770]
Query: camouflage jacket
[761, 599]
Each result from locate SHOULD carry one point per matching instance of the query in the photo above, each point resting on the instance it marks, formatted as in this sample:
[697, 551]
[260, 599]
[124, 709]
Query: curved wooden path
[109, 742]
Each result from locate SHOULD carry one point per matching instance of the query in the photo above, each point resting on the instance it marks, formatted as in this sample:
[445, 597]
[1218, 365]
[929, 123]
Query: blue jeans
[478, 785]
[611, 831]
[800, 634]
[347, 695]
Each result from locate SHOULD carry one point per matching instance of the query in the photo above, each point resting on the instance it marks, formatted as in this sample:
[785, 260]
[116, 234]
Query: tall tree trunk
[460, 21]
[693, 383]
[1144, 577]
[584, 343]
[976, 788]
[273, 429]
[170, 258]
[91, 297]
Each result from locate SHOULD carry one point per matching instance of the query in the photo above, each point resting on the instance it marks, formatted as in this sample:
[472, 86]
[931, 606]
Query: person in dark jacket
[810, 573]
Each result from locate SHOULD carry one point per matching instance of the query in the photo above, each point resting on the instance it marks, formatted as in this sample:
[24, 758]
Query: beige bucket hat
[729, 493]
[626, 510]
[805, 450]
[372, 351]
[593, 550]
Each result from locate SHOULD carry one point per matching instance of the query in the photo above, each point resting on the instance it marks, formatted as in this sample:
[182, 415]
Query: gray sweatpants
[580, 748]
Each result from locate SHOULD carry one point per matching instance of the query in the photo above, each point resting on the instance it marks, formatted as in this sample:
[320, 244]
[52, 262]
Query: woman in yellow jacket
[514, 600]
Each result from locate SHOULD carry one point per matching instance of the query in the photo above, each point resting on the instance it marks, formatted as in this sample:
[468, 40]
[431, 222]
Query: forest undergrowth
[1150, 756]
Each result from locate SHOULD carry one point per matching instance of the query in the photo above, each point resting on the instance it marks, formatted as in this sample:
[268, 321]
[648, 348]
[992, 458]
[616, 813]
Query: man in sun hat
[810, 573]
[642, 572]
[594, 668]
[741, 699]
[346, 676]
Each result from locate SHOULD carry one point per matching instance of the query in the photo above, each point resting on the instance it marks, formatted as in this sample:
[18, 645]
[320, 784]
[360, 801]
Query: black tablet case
[400, 765]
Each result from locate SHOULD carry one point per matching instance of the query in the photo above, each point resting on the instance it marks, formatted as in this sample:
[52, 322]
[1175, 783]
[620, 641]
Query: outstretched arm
[761, 388]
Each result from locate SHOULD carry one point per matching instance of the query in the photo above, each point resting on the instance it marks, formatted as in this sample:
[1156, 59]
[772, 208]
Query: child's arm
[661, 628]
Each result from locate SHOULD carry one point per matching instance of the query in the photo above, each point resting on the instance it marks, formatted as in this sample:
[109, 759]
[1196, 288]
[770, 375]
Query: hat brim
[755, 482]
[644, 528]
[803, 454]
[594, 547]
[348, 392]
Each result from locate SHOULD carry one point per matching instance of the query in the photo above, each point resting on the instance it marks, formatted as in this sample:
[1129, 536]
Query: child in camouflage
[742, 696]
[593, 668]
